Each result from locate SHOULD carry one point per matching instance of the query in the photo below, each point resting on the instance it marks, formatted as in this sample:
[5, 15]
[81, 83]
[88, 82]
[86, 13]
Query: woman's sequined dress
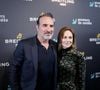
[71, 70]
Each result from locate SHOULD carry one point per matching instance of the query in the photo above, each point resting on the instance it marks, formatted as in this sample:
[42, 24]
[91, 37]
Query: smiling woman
[71, 65]
[66, 38]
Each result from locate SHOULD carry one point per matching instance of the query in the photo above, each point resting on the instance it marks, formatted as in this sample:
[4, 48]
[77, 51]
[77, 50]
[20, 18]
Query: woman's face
[67, 40]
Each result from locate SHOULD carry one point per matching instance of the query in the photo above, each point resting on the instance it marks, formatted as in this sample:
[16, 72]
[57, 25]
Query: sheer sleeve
[80, 73]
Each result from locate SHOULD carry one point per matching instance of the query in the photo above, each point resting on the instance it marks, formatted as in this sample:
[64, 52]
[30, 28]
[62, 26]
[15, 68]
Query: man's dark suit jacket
[24, 66]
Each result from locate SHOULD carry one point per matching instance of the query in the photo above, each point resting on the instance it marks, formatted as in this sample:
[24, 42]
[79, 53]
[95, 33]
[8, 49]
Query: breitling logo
[28, 0]
[96, 40]
[4, 64]
[88, 58]
[15, 40]
[63, 2]
[19, 36]
[98, 35]
[33, 19]
[3, 19]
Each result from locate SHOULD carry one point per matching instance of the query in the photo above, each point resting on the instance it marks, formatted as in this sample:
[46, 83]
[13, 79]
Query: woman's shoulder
[77, 52]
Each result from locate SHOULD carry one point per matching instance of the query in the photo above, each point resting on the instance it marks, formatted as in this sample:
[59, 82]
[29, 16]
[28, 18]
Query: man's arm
[15, 67]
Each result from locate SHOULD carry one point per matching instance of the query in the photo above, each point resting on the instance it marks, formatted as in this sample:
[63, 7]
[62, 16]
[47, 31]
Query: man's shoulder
[27, 40]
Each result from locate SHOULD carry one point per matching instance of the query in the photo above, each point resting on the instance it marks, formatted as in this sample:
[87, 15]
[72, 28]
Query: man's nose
[49, 28]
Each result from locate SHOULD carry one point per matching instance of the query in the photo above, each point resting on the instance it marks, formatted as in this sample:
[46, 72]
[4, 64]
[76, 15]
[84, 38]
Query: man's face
[45, 28]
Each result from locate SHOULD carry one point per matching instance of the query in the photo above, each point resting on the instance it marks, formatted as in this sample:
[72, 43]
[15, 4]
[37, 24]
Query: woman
[71, 65]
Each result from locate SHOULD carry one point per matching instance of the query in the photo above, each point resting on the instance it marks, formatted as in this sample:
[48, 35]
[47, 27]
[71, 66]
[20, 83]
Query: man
[34, 64]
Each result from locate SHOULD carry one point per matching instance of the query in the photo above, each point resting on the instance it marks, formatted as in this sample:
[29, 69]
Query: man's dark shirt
[46, 62]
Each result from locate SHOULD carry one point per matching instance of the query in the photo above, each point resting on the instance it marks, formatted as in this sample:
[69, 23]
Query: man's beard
[48, 36]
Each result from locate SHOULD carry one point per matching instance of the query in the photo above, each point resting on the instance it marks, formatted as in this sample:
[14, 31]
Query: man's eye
[45, 25]
[51, 25]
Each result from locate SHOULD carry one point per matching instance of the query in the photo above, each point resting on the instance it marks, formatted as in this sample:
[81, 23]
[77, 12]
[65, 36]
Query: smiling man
[34, 63]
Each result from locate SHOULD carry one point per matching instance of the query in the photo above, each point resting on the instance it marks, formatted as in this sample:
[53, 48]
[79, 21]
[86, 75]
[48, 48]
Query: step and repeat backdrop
[18, 20]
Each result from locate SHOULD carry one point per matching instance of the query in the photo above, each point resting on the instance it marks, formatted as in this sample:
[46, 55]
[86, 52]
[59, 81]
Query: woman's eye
[70, 37]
